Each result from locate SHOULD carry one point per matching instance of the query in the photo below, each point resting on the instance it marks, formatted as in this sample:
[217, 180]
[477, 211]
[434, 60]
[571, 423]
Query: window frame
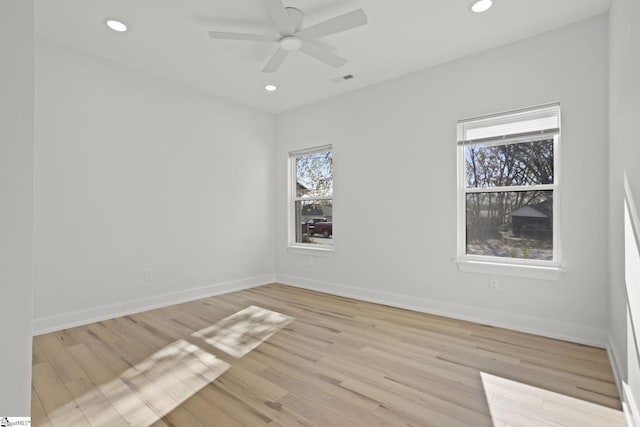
[521, 267]
[292, 245]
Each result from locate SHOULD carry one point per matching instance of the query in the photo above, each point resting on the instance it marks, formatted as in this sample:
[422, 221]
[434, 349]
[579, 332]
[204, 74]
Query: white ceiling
[168, 38]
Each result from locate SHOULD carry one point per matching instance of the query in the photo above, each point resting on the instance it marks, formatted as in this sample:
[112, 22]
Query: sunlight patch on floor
[512, 403]
[243, 331]
[148, 391]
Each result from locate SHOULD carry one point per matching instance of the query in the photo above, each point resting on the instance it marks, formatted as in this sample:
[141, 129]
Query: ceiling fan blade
[296, 16]
[276, 60]
[279, 16]
[323, 55]
[335, 25]
[241, 36]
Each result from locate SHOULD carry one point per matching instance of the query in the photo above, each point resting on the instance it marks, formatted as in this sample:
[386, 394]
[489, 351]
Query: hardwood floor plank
[60, 360]
[107, 354]
[208, 414]
[413, 411]
[56, 400]
[38, 414]
[94, 405]
[583, 416]
[342, 404]
[529, 341]
[136, 411]
[37, 355]
[539, 397]
[262, 404]
[340, 362]
[98, 372]
[181, 417]
[310, 410]
[312, 378]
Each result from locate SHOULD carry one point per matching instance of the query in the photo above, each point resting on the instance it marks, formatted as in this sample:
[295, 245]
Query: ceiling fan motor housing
[290, 43]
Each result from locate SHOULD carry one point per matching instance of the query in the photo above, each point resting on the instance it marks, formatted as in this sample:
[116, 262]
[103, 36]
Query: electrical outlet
[309, 262]
[148, 274]
[494, 285]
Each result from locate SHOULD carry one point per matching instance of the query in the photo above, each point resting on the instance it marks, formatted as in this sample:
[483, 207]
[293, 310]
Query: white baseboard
[614, 360]
[544, 327]
[58, 322]
[629, 406]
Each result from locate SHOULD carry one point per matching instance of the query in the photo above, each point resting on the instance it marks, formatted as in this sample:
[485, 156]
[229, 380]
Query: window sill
[516, 270]
[310, 251]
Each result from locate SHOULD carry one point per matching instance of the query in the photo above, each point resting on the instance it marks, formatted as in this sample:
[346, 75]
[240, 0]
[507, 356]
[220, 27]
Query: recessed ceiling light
[270, 88]
[116, 25]
[481, 6]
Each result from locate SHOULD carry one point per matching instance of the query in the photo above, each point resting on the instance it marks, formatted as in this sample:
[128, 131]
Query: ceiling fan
[288, 22]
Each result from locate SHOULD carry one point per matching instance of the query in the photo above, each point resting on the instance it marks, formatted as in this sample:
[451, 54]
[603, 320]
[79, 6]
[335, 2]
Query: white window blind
[308, 151]
[538, 121]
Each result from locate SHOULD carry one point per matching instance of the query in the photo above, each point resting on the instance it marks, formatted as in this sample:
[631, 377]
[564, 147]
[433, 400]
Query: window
[508, 188]
[311, 198]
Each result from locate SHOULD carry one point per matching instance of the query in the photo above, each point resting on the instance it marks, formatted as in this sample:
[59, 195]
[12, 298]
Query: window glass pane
[314, 222]
[314, 175]
[525, 163]
[516, 224]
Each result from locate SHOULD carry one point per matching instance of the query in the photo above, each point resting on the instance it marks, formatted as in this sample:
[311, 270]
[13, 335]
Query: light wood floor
[340, 362]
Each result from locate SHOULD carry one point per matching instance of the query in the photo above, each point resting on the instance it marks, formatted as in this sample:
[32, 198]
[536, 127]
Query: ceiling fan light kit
[290, 43]
[288, 22]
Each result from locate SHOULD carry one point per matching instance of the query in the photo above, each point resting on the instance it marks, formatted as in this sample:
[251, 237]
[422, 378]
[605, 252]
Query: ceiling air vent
[344, 78]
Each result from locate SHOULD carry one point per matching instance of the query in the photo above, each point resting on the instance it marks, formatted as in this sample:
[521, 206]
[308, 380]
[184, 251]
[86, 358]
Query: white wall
[133, 171]
[395, 185]
[624, 116]
[16, 196]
